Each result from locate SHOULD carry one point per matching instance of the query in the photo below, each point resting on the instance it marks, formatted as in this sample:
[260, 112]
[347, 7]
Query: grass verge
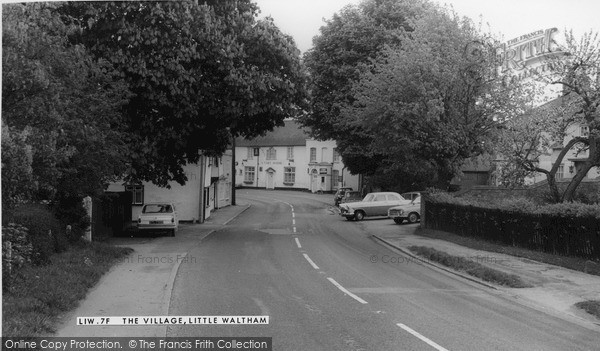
[574, 263]
[470, 267]
[592, 307]
[39, 294]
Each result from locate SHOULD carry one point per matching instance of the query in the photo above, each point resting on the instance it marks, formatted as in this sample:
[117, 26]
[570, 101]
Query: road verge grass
[39, 294]
[470, 267]
[591, 306]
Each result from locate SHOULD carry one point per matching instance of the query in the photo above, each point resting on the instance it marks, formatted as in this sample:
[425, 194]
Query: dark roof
[291, 134]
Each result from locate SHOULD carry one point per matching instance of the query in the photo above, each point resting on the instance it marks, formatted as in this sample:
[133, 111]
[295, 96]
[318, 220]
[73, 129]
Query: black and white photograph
[352, 175]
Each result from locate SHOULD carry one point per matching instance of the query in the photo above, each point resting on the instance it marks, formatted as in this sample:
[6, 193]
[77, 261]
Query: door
[314, 181]
[270, 180]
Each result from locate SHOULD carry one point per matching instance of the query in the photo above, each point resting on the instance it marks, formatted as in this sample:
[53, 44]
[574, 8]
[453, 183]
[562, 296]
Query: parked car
[411, 195]
[159, 217]
[410, 212]
[352, 196]
[339, 195]
[374, 204]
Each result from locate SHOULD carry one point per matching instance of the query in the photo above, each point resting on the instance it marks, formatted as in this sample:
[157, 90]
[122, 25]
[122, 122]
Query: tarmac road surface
[326, 284]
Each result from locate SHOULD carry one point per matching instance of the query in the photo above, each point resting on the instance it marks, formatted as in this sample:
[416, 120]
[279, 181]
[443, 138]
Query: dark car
[339, 194]
[351, 196]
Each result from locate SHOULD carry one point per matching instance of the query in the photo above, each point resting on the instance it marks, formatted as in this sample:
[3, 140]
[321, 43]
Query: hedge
[564, 229]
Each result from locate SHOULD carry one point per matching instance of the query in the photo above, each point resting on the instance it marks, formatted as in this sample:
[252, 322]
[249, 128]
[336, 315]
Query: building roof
[291, 134]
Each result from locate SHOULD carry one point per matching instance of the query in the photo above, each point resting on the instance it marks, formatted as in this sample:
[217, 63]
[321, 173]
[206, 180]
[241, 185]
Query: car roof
[384, 193]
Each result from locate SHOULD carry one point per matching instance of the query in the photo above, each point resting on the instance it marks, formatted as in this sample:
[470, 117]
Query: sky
[507, 19]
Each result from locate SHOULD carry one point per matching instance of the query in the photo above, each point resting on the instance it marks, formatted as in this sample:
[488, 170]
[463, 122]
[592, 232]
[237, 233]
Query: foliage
[348, 41]
[59, 103]
[416, 101]
[549, 131]
[17, 158]
[470, 267]
[70, 212]
[39, 295]
[16, 250]
[562, 229]
[45, 232]
[522, 205]
[199, 73]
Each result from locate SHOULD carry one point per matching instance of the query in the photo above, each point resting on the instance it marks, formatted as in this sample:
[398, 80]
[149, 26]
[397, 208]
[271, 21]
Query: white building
[287, 158]
[208, 188]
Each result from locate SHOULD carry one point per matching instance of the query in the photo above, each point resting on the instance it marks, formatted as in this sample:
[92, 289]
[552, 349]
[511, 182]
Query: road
[326, 284]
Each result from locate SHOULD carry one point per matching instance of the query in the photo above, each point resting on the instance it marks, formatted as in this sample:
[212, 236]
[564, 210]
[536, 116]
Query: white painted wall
[186, 198]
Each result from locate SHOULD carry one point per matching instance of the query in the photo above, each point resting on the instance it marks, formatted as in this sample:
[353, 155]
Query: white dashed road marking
[345, 291]
[426, 340]
[311, 262]
[298, 243]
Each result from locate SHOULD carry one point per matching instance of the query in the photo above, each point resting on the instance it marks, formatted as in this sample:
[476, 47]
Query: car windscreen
[158, 209]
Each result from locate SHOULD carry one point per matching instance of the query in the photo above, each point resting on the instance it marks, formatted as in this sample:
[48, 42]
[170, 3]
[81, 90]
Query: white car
[410, 212]
[373, 204]
[159, 217]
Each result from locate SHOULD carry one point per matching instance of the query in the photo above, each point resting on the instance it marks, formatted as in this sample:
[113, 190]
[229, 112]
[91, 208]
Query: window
[249, 174]
[335, 177]
[392, 197]
[289, 175]
[560, 174]
[250, 153]
[336, 155]
[271, 154]
[137, 194]
[323, 153]
[322, 170]
[379, 197]
[290, 153]
[313, 154]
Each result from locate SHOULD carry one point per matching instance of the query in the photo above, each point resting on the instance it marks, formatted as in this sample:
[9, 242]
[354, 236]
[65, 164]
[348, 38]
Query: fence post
[87, 204]
[424, 196]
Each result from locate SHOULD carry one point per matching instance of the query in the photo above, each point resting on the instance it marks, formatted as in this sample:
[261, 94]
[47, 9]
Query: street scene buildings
[188, 175]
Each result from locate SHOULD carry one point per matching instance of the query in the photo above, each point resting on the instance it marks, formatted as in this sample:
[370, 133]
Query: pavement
[555, 289]
[141, 284]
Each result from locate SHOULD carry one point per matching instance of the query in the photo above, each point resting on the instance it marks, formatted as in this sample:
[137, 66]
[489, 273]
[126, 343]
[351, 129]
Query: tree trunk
[569, 193]
[553, 187]
[593, 160]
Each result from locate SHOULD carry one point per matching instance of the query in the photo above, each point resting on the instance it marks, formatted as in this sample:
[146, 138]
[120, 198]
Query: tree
[527, 139]
[348, 41]
[423, 103]
[59, 105]
[200, 74]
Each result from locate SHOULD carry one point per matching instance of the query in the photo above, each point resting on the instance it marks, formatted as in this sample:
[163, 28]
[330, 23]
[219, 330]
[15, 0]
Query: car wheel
[172, 232]
[398, 220]
[359, 215]
[413, 218]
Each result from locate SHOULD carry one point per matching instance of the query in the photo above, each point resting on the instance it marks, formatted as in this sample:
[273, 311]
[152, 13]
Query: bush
[571, 229]
[16, 250]
[45, 232]
[69, 210]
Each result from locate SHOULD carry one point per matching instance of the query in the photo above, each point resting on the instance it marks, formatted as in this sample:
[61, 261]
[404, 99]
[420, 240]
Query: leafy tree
[530, 138]
[17, 176]
[199, 73]
[421, 105]
[347, 42]
[59, 105]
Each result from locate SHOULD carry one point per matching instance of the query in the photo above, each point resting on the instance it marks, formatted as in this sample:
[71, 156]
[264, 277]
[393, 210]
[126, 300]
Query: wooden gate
[111, 214]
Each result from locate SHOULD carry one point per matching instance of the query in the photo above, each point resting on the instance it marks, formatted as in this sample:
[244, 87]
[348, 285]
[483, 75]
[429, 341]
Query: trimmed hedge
[570, 229]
